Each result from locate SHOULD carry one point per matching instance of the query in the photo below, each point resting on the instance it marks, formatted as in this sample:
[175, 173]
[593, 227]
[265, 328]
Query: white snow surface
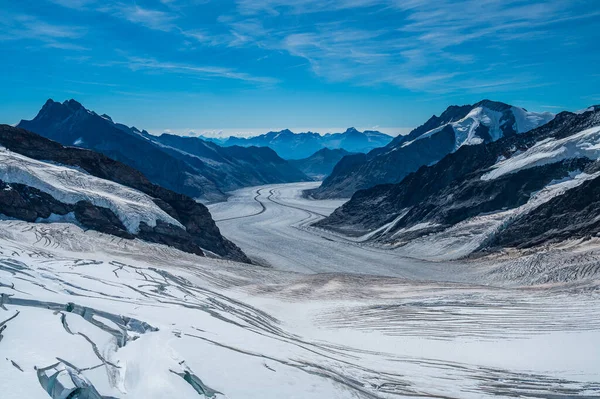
[465, 129]
[252, 332]
[70, 186]
[272, 225]
[526, 120]
[583, 144]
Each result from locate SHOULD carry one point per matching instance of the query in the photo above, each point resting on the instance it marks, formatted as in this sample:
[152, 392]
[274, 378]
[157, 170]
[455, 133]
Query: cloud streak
[417, 35]
[31, 28]
[150, 64]
[417, 45]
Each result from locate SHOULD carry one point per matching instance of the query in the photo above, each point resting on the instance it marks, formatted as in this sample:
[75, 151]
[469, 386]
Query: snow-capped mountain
[521, 190]
[42, 181]
[206, 175]
[290, 145]
[484, 122]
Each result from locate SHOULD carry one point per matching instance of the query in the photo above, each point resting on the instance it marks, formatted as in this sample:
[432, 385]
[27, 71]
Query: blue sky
[246, 65]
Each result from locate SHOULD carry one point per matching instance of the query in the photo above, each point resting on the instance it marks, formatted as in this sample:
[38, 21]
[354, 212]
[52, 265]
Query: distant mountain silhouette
[290, 145]
[186, 165]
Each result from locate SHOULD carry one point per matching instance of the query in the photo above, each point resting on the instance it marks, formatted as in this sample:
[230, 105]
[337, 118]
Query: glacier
[71, 185]
[85, 313]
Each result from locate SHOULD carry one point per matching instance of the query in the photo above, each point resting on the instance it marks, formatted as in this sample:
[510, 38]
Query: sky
[248, 66]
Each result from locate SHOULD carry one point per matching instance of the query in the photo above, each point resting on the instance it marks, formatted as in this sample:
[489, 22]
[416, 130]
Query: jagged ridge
[458, 126]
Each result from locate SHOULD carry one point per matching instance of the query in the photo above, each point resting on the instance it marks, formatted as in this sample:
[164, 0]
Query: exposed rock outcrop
[28, 204]
[457, 127]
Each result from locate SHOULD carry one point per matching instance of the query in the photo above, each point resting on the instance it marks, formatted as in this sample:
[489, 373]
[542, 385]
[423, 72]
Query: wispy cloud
[418, 45]
[150, 18]
[75, 4]
[27, 27]
[421, 34]
[201, 71]
[276, 7]
[128, 10]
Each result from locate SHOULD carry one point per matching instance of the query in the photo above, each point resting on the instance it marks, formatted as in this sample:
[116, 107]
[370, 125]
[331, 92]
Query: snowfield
[585, 144]
[330, 318]
[128, 319]
[271, 225]
[71, 185]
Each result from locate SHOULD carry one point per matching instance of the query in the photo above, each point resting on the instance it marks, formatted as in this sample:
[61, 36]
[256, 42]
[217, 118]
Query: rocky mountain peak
[73, 105]
[493, 105]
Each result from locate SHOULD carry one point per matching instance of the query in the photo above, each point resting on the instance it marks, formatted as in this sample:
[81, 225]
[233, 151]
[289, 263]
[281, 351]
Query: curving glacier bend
[94, 316]
[272, 224]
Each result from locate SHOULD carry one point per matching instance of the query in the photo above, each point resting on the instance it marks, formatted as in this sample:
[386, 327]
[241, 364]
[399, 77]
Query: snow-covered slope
[458, 126]
[584, 144]
[495, 123]
[489, 196]
[44, 181]
[70, 186]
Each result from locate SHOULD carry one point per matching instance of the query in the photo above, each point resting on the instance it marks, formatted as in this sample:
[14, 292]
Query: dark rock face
[406, 154]
[290, 145]
[185, 165]
[321, 163]
[200, 229]
[352, 175]
[100, 219]
[452, 190]
[27, 203]
[30, 204]
[572, 215]
[452, 114]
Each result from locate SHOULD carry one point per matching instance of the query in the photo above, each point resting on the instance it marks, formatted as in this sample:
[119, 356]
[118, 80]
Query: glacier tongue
[70, 186]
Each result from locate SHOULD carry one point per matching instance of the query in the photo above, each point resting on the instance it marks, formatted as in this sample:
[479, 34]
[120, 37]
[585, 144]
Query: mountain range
[290, 145]
[458, 126]
[477, 178]
[42, 181]
[188, 166]
[519, 191]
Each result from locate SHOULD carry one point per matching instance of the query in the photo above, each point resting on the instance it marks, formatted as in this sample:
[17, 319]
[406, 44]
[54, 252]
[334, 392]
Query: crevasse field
[321, 316]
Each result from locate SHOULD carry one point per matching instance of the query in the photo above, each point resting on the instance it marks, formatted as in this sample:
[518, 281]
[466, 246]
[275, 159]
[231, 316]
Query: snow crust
[526, 121]
[70, 186]
[583, 144]
[143, 315]
[331, 318]
[465, 129]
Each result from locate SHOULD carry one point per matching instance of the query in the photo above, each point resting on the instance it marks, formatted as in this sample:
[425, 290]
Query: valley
[272, 225]
[112, 286]
[283, 199]
[93, 310]
[325, 317]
